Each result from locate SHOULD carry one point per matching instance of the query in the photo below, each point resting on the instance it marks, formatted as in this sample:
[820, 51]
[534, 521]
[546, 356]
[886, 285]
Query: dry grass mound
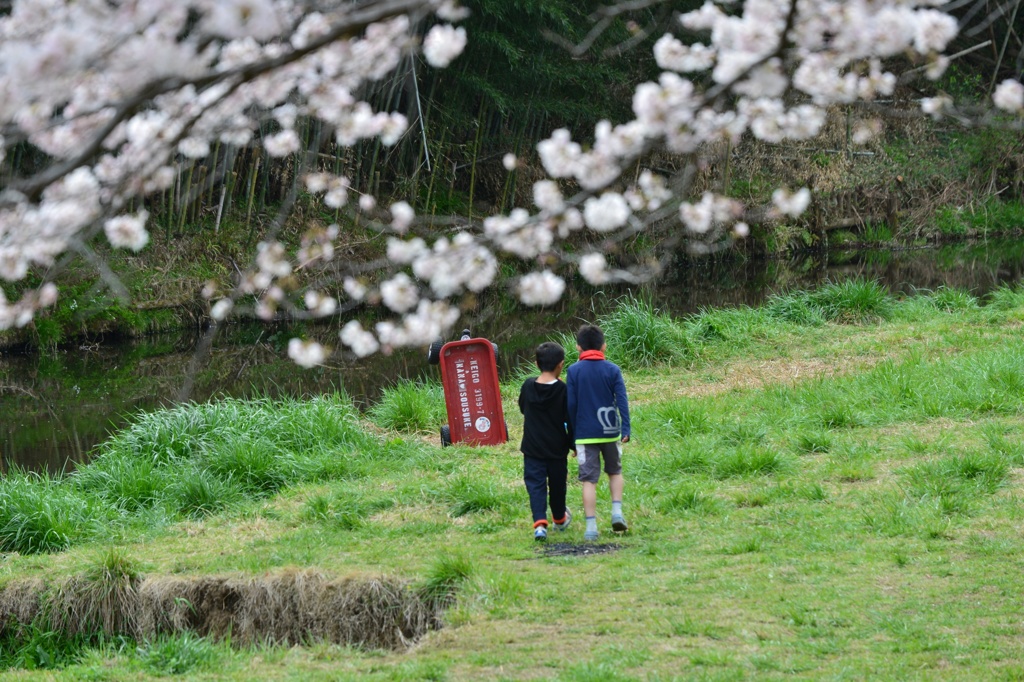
[293, 607]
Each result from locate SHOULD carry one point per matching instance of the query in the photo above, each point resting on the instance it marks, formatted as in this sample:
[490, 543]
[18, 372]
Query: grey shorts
[589, 456]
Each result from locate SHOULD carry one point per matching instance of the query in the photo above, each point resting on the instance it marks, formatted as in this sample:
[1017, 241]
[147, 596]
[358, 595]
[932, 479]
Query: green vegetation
[410, 406]
[990, 217]
[826, 487]
[186, 462]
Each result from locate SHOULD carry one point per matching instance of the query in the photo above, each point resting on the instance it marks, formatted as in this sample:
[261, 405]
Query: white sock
[616, 508]
[591, 524]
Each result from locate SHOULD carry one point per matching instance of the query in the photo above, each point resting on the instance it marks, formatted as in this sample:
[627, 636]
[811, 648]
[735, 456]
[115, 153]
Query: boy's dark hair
[549, 355]
[590, 337]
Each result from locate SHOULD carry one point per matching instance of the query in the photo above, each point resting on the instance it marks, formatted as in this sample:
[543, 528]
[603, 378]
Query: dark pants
[539, 474]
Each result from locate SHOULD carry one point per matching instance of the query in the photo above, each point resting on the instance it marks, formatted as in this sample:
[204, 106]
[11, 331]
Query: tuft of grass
[851, 301]
[104, 599]
[736, 326]
[1006, 297]
[687, 498]
[854, 301]
[965, 475]
[639, 336]
[471, 495]
[1011, 450]
[812, 442]
[795, 309]
[38, 648]
[895, 515]
[446, 576]
[743, 433]
[410, 406]
[746, 546]
[257, 466]
[747, 460]
[38, 513]
[953, 300]
[682, 418]
[347, 509]
[197, 492]
[129, 484]
[177, 654]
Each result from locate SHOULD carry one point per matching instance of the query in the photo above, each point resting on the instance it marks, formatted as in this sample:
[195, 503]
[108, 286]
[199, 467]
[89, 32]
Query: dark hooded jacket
[545, 420]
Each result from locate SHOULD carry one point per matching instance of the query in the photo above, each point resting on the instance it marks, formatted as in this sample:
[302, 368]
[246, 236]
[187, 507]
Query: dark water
[54, 408]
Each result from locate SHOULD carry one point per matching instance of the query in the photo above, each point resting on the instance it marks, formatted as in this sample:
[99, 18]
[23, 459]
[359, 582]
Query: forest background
[520, 78]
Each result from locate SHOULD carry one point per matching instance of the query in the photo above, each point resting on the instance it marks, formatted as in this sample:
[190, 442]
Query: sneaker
[564, 524]
[619, 523]
[540, 535]
[590, 536]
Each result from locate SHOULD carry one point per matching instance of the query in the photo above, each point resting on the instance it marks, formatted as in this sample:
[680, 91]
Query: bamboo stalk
[183, 197]
[476, 155]
[252, 191]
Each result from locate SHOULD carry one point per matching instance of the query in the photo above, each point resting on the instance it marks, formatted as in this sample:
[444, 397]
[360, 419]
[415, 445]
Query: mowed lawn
[811, 494]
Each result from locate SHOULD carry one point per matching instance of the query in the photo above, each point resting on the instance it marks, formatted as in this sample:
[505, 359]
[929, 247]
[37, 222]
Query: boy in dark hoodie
[546, 440]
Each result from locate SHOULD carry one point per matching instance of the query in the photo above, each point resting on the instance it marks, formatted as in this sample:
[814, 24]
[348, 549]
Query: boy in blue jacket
[599, 418]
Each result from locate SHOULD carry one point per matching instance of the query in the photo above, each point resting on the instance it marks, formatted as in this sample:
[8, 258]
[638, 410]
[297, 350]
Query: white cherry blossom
[399, 293]
[594, 268]
[443, 44]
[541, 288]
[128, 232]
[402, 216]
[306, 353]
[792, 204]
[1009, 96]
[607, 213]
[361, 342]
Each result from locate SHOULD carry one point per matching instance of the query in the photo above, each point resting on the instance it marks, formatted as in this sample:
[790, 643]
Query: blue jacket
[598, 407]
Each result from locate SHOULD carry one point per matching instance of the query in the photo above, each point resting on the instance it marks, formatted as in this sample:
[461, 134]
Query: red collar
[592, 355]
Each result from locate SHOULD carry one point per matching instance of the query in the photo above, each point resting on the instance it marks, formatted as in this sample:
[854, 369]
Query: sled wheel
[446, 436]
[434, 353]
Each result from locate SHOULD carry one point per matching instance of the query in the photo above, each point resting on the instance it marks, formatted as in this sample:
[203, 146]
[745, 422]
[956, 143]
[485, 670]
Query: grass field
[827, 487]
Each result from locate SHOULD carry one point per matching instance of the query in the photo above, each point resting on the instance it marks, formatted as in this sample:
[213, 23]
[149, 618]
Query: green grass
[178, 654]
[836, 498]
[991, 216]
[185, 462]
[410, 406]
[638, 336]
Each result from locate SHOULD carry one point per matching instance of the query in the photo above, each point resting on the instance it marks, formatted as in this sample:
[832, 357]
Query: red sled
[472, 395]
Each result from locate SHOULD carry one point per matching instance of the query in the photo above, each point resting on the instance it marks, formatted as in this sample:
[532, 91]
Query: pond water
[54, 408]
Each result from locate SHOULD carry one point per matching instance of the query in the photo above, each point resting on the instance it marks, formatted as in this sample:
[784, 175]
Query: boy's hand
[625, 439]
